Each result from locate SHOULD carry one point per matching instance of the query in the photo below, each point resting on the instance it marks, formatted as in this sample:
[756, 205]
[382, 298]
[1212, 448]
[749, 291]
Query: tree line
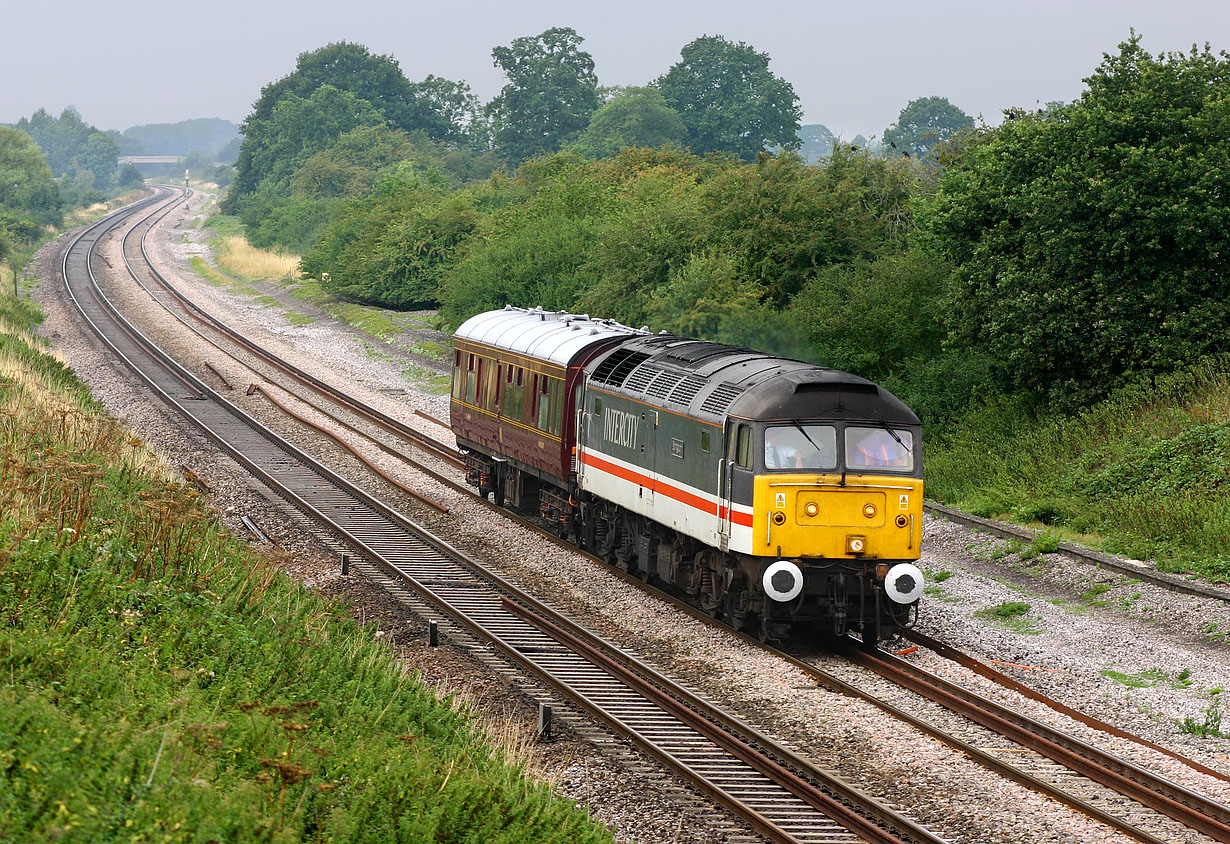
[1056, 255]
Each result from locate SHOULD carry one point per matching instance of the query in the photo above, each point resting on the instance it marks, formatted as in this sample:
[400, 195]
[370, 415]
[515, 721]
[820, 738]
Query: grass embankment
[1145, 473]
[161, 682]
[241, 264]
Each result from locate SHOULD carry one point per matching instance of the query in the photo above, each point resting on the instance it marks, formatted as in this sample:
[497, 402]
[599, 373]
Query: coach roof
[553, 336]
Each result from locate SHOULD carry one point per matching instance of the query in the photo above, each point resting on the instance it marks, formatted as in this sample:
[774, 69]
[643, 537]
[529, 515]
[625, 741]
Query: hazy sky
[853, 64]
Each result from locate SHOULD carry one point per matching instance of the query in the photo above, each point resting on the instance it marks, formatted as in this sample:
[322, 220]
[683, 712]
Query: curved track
[1141, 787]
[779, 794]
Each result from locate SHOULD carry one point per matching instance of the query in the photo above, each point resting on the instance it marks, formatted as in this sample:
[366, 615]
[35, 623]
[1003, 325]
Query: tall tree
[551, 92]
[729, 101]
[1092, 242]
[375, 81]
[27, 189]
[924, 124]
[634, 117]
[75, 150]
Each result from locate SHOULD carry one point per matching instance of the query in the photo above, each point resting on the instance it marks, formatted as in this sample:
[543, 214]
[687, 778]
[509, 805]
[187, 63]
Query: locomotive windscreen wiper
[893, 434]
[803, 431]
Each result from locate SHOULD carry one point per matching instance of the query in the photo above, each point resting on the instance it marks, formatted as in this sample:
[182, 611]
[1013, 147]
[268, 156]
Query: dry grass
[239, 258]
[502, 728]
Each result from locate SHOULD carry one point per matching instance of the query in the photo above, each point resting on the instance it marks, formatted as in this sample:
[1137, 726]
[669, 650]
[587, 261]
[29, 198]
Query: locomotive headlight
[779, 518]
[782, 581]
[902, 521]
[904, 583]
[856, 544]
[869, 510]
[812, 508]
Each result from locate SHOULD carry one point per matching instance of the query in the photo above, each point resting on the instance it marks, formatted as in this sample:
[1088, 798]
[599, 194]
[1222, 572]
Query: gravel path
[1137, 656]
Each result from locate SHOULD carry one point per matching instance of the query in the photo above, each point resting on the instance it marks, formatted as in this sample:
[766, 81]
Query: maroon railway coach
[516, 375]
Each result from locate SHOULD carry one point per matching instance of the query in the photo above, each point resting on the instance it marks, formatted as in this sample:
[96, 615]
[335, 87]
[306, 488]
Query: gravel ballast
[1135, 655]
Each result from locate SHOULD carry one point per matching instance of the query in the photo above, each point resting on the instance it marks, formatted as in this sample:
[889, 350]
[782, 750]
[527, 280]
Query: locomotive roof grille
[687, 389]
[720, 399]
[639, 380]
[618, 365]
[663, 384]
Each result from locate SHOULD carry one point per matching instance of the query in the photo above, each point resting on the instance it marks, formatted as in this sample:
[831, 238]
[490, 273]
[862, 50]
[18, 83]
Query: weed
[1011, 615]
[1149, 678]
[1008, 609]
[430, 350]
[941, 576]
[1209, 727]
[1213, 632]
[1091, 594]
[1046, 542]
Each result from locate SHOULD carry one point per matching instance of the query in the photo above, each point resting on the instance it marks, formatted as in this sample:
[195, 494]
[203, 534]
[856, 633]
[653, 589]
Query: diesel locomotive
[784, 497]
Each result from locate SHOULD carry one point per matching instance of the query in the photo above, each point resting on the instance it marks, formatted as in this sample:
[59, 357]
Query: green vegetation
[729, 101]
[80, 156]
[1207, 727]
[1093, 231]
[925, 124]
[1010, 615]
[1049, 295]
[211, 136]
[1151, 677]
[1146, 469]
[549, 97]
[161, 682]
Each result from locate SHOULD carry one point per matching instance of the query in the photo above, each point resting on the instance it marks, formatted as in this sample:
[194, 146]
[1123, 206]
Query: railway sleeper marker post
[345, 564]
[433, 634]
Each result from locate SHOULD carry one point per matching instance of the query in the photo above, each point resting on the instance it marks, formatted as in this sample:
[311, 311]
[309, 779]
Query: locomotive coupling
[782, 581]
[904, 583]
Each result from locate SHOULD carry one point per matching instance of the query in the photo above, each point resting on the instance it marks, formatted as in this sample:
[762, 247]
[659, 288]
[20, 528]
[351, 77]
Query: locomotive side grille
[720, 399]
[663, 384]
[687, 389]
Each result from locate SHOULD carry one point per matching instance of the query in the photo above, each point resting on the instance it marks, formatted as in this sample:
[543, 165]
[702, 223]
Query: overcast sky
[853, 64]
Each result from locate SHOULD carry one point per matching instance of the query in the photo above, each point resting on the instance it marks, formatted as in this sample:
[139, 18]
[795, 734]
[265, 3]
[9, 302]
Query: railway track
[779, 794]
[1183, 807]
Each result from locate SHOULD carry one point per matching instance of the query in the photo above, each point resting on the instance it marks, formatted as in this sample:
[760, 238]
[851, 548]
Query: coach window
[557, 406]
[459, 377]
[704, 441]
[491, 391]
[514, 392]
[544, 401]
[473, 366]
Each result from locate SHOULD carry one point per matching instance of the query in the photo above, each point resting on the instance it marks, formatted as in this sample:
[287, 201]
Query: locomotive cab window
[885, 448]
[740, 449]
[800, 447]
